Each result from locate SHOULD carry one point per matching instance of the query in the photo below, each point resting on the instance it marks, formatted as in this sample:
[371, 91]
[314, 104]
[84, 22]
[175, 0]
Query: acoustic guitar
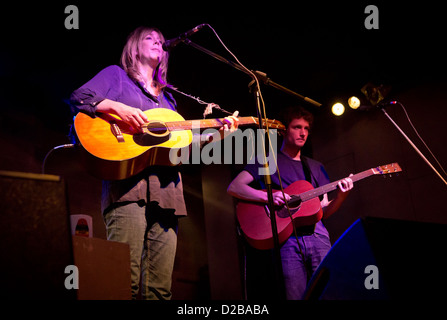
[305, 209]
[113, 150]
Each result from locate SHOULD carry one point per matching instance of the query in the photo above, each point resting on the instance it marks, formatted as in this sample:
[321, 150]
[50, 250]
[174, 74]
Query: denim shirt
[162, 185]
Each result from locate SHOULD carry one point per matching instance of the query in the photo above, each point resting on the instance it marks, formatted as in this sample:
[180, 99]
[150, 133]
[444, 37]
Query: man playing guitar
[302, 252]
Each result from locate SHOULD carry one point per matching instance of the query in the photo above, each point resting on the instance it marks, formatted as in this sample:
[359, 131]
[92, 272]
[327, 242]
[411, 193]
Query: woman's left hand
[231, 123]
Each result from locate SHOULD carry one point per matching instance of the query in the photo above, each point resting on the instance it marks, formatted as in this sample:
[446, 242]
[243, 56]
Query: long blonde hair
[131, 50]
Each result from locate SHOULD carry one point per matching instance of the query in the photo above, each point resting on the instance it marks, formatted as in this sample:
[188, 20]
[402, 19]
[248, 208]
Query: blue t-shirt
[291, 170]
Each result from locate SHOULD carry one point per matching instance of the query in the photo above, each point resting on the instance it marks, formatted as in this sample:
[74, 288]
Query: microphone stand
[382, 107]
[260, 75]
[280, 286]
[279, 275]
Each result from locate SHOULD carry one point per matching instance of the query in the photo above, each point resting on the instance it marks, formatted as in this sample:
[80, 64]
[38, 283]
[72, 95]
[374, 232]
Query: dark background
[320, 50]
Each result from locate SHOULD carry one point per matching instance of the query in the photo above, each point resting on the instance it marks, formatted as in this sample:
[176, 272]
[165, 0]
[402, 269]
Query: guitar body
[256, 224]
[113, 150]
[304, 206]
[111, 156]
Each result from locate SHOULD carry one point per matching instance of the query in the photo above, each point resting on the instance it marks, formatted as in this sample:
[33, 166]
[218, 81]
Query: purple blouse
[157, 185]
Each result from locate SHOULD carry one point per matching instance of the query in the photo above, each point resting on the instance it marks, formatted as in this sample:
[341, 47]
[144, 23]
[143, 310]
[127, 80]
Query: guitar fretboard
[333, 185]
[296, 199]
[215, 123]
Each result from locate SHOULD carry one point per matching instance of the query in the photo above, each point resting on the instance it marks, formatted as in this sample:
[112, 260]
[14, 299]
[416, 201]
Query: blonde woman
[142, 210]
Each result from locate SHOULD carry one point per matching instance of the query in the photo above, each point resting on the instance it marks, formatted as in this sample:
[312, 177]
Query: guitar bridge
[117, 132]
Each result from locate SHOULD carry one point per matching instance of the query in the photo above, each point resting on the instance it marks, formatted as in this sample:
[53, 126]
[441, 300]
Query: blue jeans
[260, 270]
[296, 271]
[151, 233]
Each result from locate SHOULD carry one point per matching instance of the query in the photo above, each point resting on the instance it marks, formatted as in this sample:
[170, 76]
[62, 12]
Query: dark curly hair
[296, 112]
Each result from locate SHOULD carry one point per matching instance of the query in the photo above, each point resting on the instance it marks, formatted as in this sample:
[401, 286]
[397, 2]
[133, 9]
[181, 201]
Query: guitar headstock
[387, 169]
[273, 124]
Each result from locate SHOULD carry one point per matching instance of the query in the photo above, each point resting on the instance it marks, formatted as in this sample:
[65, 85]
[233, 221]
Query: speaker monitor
[379, 258]
[104, 269]
[35, 246]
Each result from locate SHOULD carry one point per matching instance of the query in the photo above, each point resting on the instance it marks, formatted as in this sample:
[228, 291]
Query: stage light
[354, 102]
[338, 109]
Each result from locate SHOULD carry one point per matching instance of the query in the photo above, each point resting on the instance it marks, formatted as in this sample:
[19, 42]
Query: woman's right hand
[132, 116]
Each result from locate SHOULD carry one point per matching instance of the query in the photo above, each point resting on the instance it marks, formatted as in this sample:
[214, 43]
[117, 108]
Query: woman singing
[142, 210]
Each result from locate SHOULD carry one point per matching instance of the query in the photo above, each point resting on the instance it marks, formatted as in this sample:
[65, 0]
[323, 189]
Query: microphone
[169, 44]
[384, 104]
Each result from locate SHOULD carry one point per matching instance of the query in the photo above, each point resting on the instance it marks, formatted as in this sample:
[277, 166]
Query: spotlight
[338, 109]
[354, 102]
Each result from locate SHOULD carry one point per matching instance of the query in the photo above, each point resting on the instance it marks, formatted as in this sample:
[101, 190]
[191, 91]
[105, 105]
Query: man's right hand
[278, 198]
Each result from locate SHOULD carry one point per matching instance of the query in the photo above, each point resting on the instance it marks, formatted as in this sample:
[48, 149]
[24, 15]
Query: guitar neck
[215, 123]
[333, 185]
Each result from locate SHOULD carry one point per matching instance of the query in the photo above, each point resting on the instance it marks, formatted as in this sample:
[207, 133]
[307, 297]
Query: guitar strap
[308, 173]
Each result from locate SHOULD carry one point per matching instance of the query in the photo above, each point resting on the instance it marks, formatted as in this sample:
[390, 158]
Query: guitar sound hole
[147, 140]
[284, 213]
[157, 128]
[294, 206]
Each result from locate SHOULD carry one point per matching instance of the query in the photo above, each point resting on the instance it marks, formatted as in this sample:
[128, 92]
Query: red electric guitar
[305, 209]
